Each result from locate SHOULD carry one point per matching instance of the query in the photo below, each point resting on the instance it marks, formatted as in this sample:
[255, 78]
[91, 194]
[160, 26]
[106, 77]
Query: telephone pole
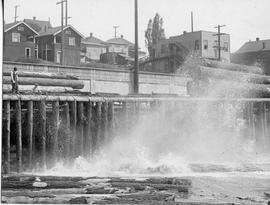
[66, 12]
[191, 21]
[62, 30]
[219, 44]
[15, 17]
[115, 28]
[136, 62]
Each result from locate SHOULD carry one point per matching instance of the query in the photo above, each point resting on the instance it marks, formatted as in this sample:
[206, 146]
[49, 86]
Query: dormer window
[15, 37]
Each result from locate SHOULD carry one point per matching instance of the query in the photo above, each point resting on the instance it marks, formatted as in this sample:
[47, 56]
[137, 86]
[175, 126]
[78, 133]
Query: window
[205, 44]
[28, 52]
[15, 37]
[71, 41]
[20, 28]
[226, 46]
[215, 44]
[197, 45]
[163, 48]
[263, 45]
[68, 32]
[216, 53]
[57, 39]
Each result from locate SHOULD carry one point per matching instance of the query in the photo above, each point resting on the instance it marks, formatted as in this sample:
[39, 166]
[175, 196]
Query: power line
[219, 34]
[115, 28]
[15, 17]
[62, 30]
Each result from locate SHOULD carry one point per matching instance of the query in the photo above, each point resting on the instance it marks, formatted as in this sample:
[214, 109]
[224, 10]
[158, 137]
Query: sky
[244, 19]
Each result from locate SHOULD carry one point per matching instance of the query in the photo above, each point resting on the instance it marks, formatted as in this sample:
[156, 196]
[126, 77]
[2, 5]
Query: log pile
[218, 79]
[51, 189]
[43, 82]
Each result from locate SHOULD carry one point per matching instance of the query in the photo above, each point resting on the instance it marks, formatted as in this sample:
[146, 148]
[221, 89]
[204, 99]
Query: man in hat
[14, 80]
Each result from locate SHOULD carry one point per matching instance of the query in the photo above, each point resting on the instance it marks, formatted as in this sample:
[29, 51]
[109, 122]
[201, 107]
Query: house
[170, 53]
[92, 48]
[49, 45]
[19, 41]
[254, 53]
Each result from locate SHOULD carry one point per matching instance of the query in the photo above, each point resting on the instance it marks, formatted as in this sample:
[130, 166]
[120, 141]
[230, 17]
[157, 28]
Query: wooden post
[56, 122]
[98, 125]
[42, 119]
[6, 136]
[30, 133]
[67, 136]
[73, 123]
[104, 122]
[80, 140]
[88, 145]
[267, 125]
[125, 122]
[111, 119]
[253, 128]
[18, 135]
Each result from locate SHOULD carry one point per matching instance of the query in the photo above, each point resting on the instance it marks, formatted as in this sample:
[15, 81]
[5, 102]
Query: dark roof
[38, 25]
[14, 24]
[55, 30]
[254, 46]
[121, 41]
[93, 41]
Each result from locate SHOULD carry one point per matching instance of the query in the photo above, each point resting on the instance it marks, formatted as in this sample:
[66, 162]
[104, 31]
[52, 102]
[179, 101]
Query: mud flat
[116, 190]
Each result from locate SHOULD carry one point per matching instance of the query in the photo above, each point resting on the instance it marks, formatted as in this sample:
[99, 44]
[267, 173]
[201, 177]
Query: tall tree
[154, 34]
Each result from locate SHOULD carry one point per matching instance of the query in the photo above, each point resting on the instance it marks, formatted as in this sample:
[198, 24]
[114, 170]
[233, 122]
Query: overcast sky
[245, 19]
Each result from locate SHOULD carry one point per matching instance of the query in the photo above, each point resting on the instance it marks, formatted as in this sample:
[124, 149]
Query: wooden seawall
[40, 130]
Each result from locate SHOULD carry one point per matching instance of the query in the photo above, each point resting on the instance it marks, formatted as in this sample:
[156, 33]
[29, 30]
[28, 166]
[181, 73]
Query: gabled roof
[56, 30]
[93, 41]
[9, 26]
[255, 46]
[39, 25]
[120, 41]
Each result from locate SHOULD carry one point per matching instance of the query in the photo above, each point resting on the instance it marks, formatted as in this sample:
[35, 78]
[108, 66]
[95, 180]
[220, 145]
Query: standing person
[14, 80]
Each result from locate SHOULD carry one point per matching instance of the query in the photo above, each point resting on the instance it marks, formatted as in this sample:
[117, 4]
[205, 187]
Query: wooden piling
[111, 119]
[125, 122]
[79, 137]
[42, 110]
[73, 123]
[88, 145]
[104, 122]
[253, 118]
[6, 136]
[67, 136]
[98, 125]
[29, 132]
[56, 122]
[18, 134]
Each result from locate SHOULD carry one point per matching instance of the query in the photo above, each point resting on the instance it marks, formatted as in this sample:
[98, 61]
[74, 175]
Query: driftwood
[232, 66]
[75, 84]
[43, 75]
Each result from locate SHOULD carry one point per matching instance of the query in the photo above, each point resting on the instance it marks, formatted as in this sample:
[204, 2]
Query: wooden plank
[80, 141]
[6, 136]
[73, 123]
[30, 133]
[42, 110]
[67, 136]
[18, 115]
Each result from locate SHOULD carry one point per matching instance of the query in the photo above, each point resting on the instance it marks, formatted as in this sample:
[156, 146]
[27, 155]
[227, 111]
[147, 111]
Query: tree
[154, 34]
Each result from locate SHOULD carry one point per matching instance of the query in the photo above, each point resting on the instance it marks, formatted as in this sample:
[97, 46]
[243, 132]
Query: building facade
[92, 48]
[19, 41]
[254, 53]
[49, 45]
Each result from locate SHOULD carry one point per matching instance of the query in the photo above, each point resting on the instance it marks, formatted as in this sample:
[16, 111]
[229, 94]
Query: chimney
[122, 36]
[91, 34]
[34, 18]
[257, 39]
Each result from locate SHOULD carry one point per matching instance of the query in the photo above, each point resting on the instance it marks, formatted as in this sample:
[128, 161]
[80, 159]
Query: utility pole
[15, 17]
[219, 34]
[66, 13]
[191, 21]
[62, 30]
[136, 62]
[115, 28]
